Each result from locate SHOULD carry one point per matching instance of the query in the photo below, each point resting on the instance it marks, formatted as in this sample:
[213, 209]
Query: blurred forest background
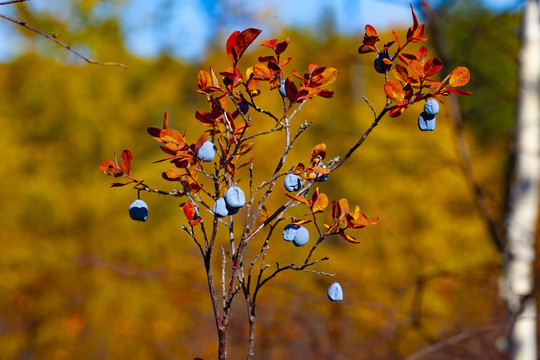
[81, 280]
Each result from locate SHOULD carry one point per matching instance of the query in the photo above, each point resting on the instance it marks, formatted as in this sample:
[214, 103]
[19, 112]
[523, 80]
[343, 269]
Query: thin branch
[12, 2]
[54, 39]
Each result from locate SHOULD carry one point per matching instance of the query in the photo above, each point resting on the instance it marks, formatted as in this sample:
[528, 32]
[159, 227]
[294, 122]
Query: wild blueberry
[220, 208]
[379, 65]
[293, 182]
[282, 90]
[207, 151]
[301, 237]
[138, 210]
[243, 106]
[431, 107]
[426, 122]
[335, 293]
[289, 232]
[234, 198]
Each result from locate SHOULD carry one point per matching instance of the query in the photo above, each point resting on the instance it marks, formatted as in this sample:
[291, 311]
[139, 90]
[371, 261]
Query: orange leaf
[394, 90]
[370, 30]
[401, 73]
[300, 222]
[320, 203]
[319, 151]
[459, 76]
[261, 72]
[204, 79]
[328, 76]
[348, 237]
[298, 198]
[417, 70]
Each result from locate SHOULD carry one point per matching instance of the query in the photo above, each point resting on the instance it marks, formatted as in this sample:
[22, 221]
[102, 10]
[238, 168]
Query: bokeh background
[81, 280]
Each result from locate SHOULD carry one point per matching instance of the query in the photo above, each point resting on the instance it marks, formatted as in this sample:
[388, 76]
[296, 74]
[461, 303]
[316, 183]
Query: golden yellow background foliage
[81, 280]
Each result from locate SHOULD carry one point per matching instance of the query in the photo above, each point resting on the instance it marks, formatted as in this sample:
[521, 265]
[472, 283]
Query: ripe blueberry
[220, 208]
[289, 232]
[243, 106]
[282, 90]
[207, 151]
[234, 198]
[138, 210]
[426, 122]
[335, 293]
[292, 182]
[431, 107]
[379, 64]
[301, 237]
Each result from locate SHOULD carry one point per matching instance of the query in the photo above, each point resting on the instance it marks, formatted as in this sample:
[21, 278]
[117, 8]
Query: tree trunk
[517, 286]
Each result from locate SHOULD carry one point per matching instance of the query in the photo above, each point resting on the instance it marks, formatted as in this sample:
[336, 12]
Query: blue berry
[289, 232]
[426, 122]
[335, 293]
[282, 90]
[379, 65]
[220, 208]
[301, 237]
[207, 151]
[234, 198]
[138, 210]
[243, 106]
[292, 182]
[431, 107]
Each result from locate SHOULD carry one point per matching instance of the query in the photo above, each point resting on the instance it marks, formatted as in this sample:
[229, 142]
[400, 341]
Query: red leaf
[291, 90]
[282, 46]
[432, 67]
[230, 46]
[396, 111]
[242, 41]
[458, 92]
[126, 160]
[118, 184]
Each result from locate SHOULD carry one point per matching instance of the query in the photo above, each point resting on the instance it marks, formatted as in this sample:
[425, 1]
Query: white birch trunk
[518, 282]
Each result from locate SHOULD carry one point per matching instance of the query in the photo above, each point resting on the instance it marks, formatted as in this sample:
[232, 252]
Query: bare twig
[64, 45]
[12, 2]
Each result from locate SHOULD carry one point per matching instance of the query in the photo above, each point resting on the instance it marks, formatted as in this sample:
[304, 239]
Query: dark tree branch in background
[54, 39]
[456, 114]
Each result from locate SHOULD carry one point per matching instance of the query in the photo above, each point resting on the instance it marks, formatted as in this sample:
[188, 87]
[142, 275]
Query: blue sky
[153, 26]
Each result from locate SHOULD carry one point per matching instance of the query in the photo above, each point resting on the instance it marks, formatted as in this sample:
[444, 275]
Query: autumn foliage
[232, 123]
